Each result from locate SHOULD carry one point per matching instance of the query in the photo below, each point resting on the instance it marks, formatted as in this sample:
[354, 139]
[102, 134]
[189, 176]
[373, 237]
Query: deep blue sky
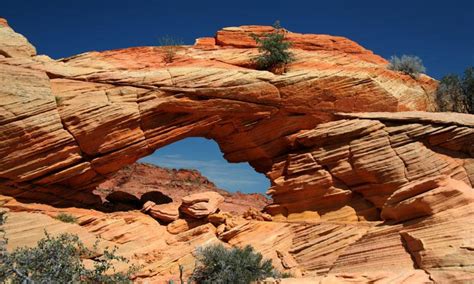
[440, 32]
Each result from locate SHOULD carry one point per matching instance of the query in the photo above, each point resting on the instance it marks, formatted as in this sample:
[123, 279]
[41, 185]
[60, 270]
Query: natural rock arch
[69, 123]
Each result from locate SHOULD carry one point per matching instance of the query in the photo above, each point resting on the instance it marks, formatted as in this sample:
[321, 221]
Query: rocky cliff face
[365, 183]
[68, 123]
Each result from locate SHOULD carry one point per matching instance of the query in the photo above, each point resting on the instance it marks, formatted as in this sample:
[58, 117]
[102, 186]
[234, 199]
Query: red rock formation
[336, 135]
[200, 205]
[348, 168]
[102, 111]
[138, 183]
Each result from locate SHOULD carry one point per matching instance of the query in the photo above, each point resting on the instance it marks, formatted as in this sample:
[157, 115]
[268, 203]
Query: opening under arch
[205, 156]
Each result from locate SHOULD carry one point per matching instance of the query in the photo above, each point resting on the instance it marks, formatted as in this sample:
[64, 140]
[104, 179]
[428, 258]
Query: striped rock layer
[363, 177]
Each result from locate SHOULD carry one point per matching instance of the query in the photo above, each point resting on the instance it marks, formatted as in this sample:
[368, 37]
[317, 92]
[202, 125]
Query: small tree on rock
[274, 54]
[408, 64]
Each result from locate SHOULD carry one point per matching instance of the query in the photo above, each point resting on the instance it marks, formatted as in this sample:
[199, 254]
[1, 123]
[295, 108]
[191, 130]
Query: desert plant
[456, 93]
[408, 64]
[216, 264]
[58, 100]
[59, 260]
[273, 48]
[170, 47]
[66, 218]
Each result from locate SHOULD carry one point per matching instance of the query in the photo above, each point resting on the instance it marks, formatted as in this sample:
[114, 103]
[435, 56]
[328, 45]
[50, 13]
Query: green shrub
[170, 46]
[216, 264]
[66, 218]
[408, 64]
[273, 47]
[456, 93]
[58, 260]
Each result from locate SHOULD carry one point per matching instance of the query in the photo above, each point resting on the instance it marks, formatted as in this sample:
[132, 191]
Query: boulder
[165, 212]
[200, 205]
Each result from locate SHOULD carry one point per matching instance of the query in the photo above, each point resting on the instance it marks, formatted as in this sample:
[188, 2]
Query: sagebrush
[274, 50]
[170, 46]
[216, 264]
[408, 64]
[59, 260]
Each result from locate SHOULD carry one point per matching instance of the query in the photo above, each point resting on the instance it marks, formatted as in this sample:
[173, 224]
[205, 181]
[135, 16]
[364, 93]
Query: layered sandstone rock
[165, 212]
[199, 205]
[337, 136]
[348, 168]
[427, 197]
[100, 111]
[13, 44]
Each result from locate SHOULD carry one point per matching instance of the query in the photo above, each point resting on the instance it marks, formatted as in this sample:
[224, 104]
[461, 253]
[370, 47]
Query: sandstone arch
[66, 124]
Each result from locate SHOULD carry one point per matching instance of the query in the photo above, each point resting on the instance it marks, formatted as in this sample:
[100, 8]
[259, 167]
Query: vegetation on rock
[456, 93]
[408, 64]
[58, 260]
[216, 264]
[170, 46]
[66, 218]
[273, 47]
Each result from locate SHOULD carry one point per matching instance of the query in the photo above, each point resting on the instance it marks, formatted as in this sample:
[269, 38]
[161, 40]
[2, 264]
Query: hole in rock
[185, 167]
[204, 155]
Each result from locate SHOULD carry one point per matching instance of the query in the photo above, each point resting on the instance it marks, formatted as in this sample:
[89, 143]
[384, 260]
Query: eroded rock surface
[366, 185]
[347, 169]
[199, 205]
[70, 122]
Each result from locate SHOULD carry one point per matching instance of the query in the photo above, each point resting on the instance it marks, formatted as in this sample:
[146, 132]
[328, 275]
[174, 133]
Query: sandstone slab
[200, 205]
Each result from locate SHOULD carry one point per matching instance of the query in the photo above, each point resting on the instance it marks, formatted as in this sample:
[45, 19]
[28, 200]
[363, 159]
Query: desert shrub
[170, 46]
[58, 260]
[273, 48]
[456, 93]
[66, 218]
[408, 64]
[216, 264]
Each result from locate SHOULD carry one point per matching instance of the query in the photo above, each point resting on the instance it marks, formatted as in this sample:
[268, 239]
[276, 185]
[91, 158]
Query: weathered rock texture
[199, 205]
[337, 136]
[347, 169]
[69, 123]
